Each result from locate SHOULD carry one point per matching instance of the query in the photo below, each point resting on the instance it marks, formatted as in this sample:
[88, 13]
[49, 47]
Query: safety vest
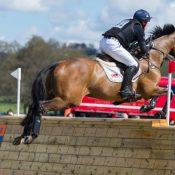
[124, 32]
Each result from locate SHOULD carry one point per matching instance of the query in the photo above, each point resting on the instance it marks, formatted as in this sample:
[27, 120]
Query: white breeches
[113, 48]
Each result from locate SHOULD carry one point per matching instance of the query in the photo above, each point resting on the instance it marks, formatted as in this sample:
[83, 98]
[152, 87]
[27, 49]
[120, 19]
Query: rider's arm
[139, 33]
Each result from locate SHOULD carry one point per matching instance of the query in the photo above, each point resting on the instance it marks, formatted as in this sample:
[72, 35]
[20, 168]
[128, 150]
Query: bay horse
[64, 84]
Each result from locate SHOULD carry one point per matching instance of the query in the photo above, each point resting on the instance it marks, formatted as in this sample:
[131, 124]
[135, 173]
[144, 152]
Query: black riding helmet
[142, 15]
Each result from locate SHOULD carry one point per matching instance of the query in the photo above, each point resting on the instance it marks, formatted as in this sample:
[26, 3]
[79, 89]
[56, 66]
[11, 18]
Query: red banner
[2, 129]
[171, 66]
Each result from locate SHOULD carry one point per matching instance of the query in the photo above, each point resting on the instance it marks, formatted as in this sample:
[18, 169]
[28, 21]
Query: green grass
[4, 107]
[9, 103]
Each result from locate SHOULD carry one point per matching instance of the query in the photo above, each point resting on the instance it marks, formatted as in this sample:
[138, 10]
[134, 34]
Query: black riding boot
[127, 82]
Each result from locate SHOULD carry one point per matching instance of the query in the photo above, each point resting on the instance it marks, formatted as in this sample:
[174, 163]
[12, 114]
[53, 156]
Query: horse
[63, 84]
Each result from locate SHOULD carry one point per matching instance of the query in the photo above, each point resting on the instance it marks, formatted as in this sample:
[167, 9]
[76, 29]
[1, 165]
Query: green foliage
[36, 54]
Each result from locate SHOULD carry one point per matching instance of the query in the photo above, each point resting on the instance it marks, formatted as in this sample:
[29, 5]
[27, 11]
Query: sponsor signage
[2, 132]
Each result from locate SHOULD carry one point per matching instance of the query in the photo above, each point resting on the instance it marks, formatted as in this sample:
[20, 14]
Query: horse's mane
[166, 30]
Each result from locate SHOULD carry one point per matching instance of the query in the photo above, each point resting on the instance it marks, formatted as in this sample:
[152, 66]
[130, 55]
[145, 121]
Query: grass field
[4, 107]
[8, 103]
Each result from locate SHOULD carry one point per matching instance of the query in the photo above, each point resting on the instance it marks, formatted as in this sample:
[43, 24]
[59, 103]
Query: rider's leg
[113, 48]
[127, 82]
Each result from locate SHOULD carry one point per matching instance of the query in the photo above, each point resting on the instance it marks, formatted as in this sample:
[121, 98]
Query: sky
[74, 20]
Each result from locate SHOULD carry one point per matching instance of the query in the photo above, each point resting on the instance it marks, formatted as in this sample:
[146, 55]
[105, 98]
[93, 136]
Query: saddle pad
[113, 72]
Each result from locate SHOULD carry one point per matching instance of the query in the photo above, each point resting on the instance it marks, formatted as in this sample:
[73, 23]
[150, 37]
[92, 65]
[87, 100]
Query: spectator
[10, 112]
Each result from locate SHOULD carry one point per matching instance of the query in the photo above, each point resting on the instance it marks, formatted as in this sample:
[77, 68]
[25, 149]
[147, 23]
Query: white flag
[17, 74]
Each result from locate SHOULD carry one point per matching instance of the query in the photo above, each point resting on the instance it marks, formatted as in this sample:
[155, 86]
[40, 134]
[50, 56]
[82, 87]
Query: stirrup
[130, 96]
[126, 93]
[127, 99]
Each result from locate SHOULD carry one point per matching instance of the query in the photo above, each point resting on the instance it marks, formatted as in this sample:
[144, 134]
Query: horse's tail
[38, 93]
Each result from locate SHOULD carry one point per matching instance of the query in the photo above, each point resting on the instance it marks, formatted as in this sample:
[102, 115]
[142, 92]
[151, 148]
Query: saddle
[113, 69]
[108, 58]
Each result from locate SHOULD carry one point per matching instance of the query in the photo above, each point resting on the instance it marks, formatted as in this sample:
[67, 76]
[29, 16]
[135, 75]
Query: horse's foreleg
[160, 91]
[151, 105]
[163, 112]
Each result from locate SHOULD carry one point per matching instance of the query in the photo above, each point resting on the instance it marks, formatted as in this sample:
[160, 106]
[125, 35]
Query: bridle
[168, 56]
[153, 66]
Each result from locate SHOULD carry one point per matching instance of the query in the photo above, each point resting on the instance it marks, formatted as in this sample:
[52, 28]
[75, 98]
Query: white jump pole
[18, 91]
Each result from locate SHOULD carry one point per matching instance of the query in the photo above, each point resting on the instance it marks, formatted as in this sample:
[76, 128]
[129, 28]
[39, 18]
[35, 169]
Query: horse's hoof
[28, 140]
[17, 140]
[145, 108]
[160, 115]
[117, 102]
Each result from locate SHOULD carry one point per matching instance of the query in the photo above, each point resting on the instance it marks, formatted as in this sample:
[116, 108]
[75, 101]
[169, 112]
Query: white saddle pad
[113, 72]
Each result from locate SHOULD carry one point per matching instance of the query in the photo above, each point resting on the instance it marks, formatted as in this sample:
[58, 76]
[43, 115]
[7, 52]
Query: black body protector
[127, 32]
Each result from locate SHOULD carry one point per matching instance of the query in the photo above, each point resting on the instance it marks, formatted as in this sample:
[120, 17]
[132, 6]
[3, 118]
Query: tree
[36, 54]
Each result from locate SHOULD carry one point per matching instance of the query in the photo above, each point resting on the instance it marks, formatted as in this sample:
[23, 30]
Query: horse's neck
[165, 43]
[156, 58]
[163, 46]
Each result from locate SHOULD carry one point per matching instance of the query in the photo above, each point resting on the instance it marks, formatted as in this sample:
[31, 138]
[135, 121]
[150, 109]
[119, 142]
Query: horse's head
[164, 39]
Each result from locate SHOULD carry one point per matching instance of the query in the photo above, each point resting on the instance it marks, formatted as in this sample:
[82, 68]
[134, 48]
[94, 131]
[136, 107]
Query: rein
[153, 66]
[150, 66]
[168, 56]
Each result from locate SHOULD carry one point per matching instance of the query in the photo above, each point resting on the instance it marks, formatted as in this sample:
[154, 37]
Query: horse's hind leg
[28, 124]
[56, 103]
[160, 91]
[32, 127]
[24, 137]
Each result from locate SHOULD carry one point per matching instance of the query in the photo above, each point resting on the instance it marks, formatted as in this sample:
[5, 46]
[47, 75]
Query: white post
[18, 91]
[17, 74]
[169, 98]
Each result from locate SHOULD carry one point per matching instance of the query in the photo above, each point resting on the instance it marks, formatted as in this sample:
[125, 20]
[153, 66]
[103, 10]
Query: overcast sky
[74, 20]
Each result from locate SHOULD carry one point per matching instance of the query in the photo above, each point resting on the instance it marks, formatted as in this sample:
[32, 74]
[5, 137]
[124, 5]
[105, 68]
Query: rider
[117, 40]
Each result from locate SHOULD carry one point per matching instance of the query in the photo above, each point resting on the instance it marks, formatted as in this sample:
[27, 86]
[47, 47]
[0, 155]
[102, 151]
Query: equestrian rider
[117, 40]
